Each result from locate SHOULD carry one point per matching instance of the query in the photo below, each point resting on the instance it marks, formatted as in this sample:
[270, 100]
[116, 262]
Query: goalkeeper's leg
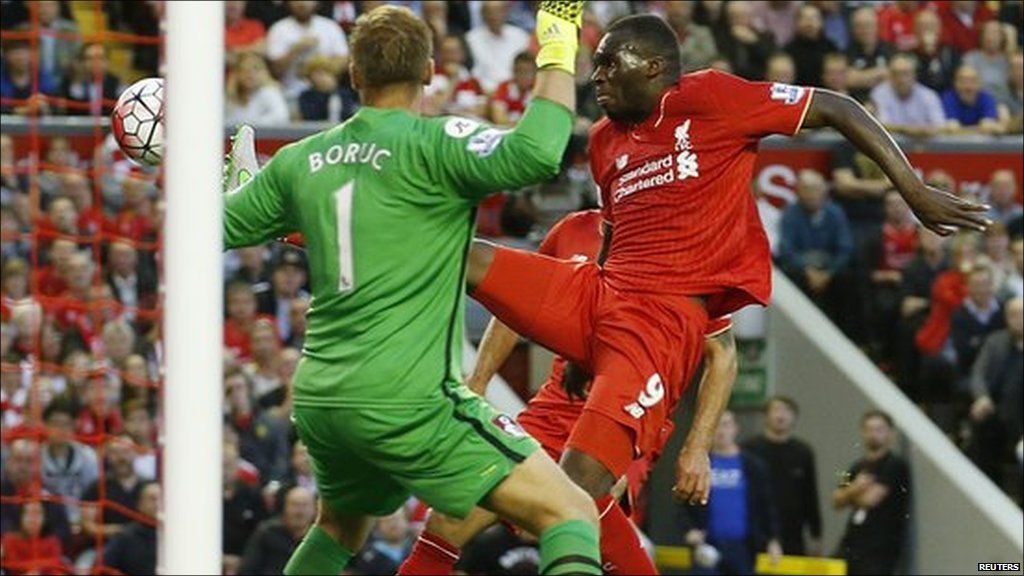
[330, 543]
[539, 497]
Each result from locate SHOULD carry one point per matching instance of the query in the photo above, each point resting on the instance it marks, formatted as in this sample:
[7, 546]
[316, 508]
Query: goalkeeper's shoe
[241, 164]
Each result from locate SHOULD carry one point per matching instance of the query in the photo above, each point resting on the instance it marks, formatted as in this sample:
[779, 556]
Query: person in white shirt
[297, 38]
[495, 45]
[252, 95]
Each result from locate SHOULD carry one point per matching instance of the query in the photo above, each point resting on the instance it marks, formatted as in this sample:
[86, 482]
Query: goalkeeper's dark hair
[390, 45]
[653, 37]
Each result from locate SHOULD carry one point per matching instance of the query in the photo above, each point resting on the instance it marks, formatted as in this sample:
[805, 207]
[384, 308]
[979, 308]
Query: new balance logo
[652, 393]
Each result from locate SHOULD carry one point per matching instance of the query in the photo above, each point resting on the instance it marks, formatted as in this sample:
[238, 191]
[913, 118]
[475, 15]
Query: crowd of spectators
[81, 345]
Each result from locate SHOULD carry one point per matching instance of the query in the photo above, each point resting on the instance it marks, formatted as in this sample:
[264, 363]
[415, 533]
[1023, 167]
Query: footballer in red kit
[552, 412]
[683, 241]
[551, 416]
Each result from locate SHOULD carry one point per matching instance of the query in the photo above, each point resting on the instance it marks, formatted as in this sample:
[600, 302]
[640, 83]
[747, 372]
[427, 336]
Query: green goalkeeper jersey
[386, 203]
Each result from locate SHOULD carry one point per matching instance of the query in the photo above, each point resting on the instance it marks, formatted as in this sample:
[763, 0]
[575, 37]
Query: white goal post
[190, 528]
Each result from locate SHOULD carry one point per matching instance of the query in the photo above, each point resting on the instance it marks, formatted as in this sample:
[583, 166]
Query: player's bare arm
[693, 467]
[498, 342]
[941, 212]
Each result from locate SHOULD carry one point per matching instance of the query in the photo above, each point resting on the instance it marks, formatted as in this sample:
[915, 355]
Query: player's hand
[558, 25]
[693, 476]
[575, 381]
[982, 408]
[862, 481]
[943, 213]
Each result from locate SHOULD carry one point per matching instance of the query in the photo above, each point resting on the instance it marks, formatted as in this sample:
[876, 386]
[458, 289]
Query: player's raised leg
[546, 300]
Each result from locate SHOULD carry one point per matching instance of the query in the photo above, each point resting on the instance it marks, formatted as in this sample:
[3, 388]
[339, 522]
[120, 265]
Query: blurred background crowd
[81, 224]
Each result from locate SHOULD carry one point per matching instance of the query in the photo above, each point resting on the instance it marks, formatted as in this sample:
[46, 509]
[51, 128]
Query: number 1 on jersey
[343, 211]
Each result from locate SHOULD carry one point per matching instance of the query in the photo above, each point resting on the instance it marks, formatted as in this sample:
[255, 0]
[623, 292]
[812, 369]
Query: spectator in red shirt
[30, 550]
[241, 311]
[135, 219]
[918, 278]
[938, 360]
[896, 23]
[51, 280]
[894, 249]
[242, 34]
[78, 189]
[511, 97]
[100, 416]
[71, 307]
[961, 22]
[453, 89]
[61, 219]
[268, 388]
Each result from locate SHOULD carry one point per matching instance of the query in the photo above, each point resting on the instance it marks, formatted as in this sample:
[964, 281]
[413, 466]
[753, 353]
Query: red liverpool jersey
[676, 188]
[577, 236]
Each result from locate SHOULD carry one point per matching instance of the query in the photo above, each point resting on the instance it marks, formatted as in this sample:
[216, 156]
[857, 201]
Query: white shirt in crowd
[493, 54]
[285, 33]
[266, 107]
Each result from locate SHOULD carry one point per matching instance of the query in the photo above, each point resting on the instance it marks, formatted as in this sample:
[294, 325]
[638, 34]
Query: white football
[138, 121]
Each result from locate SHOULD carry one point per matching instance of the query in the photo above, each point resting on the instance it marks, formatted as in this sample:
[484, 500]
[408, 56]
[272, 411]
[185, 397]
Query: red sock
[621, 552]
[430, 555]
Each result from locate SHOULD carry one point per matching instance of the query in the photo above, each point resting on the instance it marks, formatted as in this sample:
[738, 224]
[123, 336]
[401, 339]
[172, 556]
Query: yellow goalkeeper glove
[558, 24]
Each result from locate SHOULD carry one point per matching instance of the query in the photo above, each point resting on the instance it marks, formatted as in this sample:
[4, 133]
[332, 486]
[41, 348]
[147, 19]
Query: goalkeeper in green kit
[386, 203]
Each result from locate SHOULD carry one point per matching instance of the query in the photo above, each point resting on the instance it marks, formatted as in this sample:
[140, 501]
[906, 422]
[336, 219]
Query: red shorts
[642, 349]
[550, 417]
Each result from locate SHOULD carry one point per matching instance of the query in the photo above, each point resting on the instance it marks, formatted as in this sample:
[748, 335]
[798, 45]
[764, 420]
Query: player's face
[620, 79]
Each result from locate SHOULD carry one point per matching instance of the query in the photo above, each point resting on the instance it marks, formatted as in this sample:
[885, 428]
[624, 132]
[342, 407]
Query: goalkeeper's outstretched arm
[491, 159]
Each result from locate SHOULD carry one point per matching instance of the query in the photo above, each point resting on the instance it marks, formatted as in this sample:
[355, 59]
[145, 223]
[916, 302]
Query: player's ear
[355, 76]
[428, 72]
[655, 67]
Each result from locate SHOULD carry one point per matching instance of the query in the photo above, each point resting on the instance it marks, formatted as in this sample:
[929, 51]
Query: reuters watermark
[998, 566]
